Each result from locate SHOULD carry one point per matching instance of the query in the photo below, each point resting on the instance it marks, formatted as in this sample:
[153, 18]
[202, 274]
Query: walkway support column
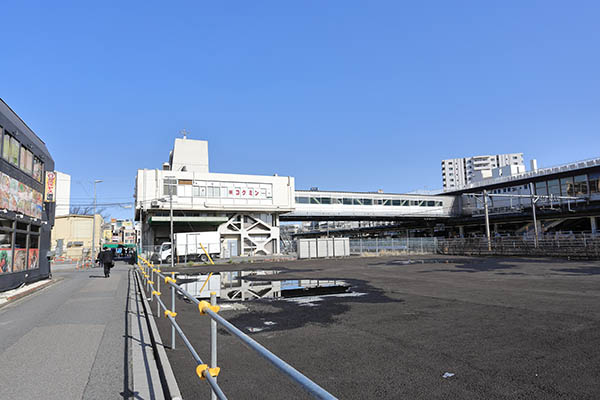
[461, 231]
[594, 225]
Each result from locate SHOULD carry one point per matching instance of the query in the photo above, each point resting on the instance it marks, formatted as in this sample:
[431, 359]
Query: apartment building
[458, 172]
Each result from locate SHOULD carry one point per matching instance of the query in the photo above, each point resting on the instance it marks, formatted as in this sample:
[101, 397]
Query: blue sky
[343, 95]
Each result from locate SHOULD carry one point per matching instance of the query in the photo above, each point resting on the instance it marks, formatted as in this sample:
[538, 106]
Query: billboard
[50, 194]
[18, 197]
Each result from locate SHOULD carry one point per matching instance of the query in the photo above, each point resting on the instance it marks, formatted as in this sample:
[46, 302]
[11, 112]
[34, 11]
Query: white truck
[188, 246]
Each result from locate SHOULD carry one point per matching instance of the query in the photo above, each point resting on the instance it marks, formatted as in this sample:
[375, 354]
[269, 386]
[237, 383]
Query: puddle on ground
[262, 284]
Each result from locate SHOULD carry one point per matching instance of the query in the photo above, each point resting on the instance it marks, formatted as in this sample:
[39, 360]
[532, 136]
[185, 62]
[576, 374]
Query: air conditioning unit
[154, 203]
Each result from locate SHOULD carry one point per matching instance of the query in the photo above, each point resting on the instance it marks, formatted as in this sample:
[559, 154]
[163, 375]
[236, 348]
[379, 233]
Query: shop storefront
[25, 217]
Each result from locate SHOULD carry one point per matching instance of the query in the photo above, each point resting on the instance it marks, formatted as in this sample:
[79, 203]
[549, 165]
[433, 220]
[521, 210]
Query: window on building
[314, 200]
[541, 189]
[38, 169]
[566, 186]
[5, 246]
[347, 201]
[580, 185]
[367, 202]
[302, 200]
[34, 251]
[170, 186]
[554, 187]
[357, 202]
[14, 151]
[20, 252]
[325, 200]
[396, 202]
[594, 183]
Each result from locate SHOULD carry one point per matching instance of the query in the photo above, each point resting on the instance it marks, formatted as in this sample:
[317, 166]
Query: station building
[244, 209]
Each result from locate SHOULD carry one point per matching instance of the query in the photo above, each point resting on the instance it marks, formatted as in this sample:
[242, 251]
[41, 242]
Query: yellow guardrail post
[207, 255]
[172, 308]
[205, 282]
[158, 290]
[213, 342]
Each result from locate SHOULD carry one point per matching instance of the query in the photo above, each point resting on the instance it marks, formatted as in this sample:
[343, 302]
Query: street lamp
[94, 222]
[171, 219]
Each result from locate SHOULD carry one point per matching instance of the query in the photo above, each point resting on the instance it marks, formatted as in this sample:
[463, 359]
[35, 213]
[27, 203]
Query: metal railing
[583, 246]
[382, 246]
[152, 277]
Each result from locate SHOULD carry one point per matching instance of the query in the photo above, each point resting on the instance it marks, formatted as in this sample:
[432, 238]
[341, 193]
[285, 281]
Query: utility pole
[171, 217]
[94, 223]
[487, 220]
[535, 225]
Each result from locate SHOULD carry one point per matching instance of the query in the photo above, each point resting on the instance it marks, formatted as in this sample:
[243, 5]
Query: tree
[89, 210]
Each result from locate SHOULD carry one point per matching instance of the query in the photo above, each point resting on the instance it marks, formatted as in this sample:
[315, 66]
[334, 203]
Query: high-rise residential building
[458, 172]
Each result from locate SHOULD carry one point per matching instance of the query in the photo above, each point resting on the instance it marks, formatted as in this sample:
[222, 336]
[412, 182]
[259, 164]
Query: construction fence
[582, 246]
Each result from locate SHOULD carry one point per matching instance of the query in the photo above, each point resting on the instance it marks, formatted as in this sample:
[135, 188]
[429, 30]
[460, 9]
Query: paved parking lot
[506, 328]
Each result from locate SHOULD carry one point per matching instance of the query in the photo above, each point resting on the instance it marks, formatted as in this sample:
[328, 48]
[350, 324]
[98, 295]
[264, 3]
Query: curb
[159, 349]
[18, 296]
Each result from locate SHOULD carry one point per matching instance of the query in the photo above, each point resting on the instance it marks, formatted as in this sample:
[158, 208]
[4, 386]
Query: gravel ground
[507, 328]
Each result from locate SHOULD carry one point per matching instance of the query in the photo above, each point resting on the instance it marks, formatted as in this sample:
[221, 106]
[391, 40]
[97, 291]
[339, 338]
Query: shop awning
[117, 245]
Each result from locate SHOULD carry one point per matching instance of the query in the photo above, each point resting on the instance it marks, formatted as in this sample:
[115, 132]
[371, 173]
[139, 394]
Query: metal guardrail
[152, 277]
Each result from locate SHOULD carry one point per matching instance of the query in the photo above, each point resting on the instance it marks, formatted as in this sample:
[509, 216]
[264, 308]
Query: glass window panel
[325, 200]
[396, 202]
[554, 187]
[217, 191]
[5, 252]
[20, 257]
[566, 186]
[337, 201]
[14, 151]
[405, 203]
[580, 185]
[34, 252]
[347, 201]
[22, 158]
[414, 203]
[6, 223]
[367, 202]
[594, 183]
[387, 202]
[314, 200]
[22, 226]
[302, 200]
[541, 189]
[6, 147]
[357, 202]
[431, 204]
[38, 168]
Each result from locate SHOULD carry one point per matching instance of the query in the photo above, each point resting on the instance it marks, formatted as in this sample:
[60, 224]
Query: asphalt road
[507, 328]
[67, 340]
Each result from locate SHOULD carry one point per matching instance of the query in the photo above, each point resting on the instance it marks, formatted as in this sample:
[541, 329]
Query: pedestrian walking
[106, 259]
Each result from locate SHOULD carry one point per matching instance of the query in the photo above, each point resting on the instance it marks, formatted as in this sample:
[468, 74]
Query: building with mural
[27, 195]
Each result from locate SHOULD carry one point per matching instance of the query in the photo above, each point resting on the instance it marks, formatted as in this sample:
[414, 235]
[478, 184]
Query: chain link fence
[583, 246]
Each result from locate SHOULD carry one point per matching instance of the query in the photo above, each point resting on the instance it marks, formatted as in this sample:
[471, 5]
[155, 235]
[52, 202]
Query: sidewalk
[72, 340]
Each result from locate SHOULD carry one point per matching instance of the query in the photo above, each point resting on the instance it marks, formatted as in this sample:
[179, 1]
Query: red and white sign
[50, 192]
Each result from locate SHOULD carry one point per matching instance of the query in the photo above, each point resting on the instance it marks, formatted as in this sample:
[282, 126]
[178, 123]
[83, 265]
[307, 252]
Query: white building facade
[459, 172]
[244, 209]
[63, 194]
